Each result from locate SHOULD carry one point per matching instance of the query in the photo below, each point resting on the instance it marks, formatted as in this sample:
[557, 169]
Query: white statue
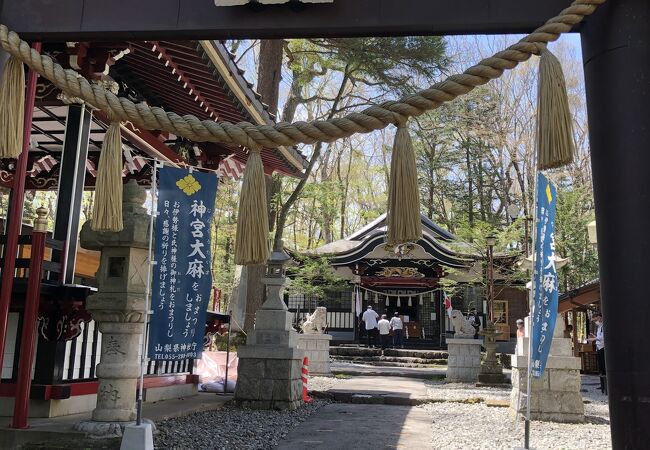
[316, 322]
[462, 327]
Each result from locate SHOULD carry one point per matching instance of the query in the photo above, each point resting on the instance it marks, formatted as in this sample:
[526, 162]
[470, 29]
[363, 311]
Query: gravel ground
[459, 426]
[440, 390]
[230, 428]
[456, 426]
[321, 383]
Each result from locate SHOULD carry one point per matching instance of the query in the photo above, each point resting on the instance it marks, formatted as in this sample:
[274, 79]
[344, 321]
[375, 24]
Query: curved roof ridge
[427, 223]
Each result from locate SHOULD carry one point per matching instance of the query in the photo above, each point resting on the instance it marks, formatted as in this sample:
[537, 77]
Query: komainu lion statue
[462, 327]
[315, 323]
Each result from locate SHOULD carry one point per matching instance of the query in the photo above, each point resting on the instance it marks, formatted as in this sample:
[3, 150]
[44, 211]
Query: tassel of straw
[12, 108]
[555, 143]
[403, 215]
[107, 212]
[251, 243]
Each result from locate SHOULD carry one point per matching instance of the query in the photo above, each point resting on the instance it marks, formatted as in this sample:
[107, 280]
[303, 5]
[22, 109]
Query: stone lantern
[118, 308]
[268, 376]
[275, 278]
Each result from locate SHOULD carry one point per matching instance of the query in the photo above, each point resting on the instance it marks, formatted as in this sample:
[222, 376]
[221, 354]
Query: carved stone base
[103, 430]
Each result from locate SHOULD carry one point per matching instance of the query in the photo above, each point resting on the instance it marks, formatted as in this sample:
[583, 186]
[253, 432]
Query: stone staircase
[391, 357]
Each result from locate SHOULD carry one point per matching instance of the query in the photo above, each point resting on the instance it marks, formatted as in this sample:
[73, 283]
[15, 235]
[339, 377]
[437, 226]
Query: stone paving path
[362, 427]
[385, 389]
[357, 369]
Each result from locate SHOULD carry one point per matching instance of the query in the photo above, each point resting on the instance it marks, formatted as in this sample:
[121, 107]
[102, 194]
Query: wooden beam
[178, 19]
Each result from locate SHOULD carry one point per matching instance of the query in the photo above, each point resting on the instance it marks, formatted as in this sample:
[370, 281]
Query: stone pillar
[464, 360]
[268, 375]
[556, 395]
[118, 308]
[317, 349]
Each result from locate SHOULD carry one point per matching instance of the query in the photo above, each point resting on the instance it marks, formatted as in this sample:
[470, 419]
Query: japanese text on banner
[182, 279]
[545, 286]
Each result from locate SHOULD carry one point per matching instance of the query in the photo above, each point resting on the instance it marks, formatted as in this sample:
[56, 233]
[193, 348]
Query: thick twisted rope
[287, 134]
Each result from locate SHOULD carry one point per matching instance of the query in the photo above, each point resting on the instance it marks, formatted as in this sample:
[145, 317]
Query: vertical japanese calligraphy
[545, 294]
[182, 280]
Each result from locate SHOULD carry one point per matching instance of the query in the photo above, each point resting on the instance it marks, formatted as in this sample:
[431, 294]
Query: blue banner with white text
[545, 294]
[182, 279]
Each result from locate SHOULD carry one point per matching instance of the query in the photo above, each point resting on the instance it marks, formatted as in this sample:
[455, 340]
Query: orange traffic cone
[305, 395]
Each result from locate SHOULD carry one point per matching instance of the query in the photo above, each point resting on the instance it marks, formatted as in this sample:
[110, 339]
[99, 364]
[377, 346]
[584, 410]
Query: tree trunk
[269, 72]
[268, 86]
[470, 188]
[344, 200]
[284, 211]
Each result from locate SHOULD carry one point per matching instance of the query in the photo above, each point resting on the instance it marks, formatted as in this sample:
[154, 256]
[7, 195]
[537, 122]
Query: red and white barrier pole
[305, 371]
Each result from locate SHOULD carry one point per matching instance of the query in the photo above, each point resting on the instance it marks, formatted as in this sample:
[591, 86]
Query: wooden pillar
[50, 358]
[71, 186]
[616, 54]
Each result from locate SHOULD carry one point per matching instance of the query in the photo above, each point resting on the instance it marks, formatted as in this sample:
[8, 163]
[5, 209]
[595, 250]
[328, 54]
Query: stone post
[463, 360]
[118, 308]
[317, 349]
[556, 395]
[268, 375]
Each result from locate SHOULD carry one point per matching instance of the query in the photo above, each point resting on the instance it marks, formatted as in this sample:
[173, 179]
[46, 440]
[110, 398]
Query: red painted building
[188, 77]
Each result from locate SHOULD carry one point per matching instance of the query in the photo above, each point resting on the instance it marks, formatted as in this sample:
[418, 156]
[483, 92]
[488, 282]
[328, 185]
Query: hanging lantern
[410, 301]
[399, 301]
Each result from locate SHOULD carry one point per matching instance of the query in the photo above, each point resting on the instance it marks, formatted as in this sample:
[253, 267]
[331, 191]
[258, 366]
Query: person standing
[599, 340]
[397, 326]
[370, 320]
[520, 328]
[384, 330]
[475, 321]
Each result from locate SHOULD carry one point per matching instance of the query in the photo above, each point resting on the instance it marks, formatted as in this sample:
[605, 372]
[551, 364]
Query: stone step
[371, 399]
[397, 364]
[390, 359]
[364, 351]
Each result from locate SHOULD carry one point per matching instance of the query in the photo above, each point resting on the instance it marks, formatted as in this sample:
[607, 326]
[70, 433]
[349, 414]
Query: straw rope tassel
[403, 193]
[555, 143]
[251, 245]
[12, 108]
[107, 212]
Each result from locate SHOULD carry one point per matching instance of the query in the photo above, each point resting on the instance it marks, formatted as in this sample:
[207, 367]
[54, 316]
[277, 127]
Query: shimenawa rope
[403, 209]
[271, 136]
